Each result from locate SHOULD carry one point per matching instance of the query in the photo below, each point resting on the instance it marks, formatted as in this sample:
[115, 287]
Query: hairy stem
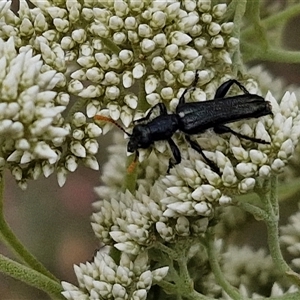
[30, 277]
[216, 269]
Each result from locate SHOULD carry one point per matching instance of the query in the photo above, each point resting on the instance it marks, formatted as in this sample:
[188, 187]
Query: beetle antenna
[133, 164]
[107, 119]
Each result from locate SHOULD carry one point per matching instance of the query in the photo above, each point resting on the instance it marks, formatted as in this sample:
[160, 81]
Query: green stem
[240, 8]
[271, 208]
[251, 52]
[273, 20]
[31, 277]
[15, 245]
[216, 269]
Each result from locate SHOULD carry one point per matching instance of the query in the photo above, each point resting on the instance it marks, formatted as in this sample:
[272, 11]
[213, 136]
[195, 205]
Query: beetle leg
[176, 154]
[224, 88]
[224, 129]
[196, 147]
[162, 111]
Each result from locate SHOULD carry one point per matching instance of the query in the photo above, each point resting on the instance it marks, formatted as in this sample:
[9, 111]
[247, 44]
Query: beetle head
[139, 138]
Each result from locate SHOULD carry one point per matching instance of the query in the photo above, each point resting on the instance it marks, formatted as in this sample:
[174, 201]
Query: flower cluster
[103, 51]
[129, 279]
[31, 124]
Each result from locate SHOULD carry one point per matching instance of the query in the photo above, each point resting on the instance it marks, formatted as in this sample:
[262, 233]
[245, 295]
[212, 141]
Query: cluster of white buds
[129, 279]
[31, 129]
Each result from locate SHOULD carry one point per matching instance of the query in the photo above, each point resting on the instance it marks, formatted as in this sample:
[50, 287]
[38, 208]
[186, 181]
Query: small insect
[196, 117]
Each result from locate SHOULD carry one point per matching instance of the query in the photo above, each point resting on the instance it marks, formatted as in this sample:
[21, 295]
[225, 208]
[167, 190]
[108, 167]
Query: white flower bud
[144, 31]
[225, 200]
[153, 98]
[171, 51]
[131, 100]
[128, 247]
[79, 119]
[158, 20]
[158, 63]
[40, 23]
[227, 27]
[212, 177]
[79, 36]
[286, 150]
[102, 60]
[77, 149]
[61, 25]
[47, 169]
[160, 40]
[71, 163]
[115, 23]
[121, 8]
[126, 115]
[214, 29]
[182, 226]
[86, 61]
[228, 176]
[172, 10]
[133, 37]
[145, 280]
[200, 43]
[75, 86]
[91, 146]
[198, 194]
[114, 111]
[264, 171]
[43, 151]
[112, 92]
[246, 169]
[78, 134]
[207, 18]
[26, 27]
[232, 42]
[187, 52]
[179, 38]
[67, 43]
[151, 83]
[203, 208]
[94, 74]
[126, 56]
[176, 66]
[186, 78]
[246, 185]
[91, 162]
[127, 79]
[240, 153]
[219, 10]
[165, 232]
[139, 295]
[218, 42]
[147, 46]
[119, 38]
[17, 173]
[204, 5]
[138, 71]
[167, 93]
[168, 77]
[61, 176]
[131, 23]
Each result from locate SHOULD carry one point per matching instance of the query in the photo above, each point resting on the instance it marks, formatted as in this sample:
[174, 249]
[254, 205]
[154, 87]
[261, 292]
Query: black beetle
[196, 117]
